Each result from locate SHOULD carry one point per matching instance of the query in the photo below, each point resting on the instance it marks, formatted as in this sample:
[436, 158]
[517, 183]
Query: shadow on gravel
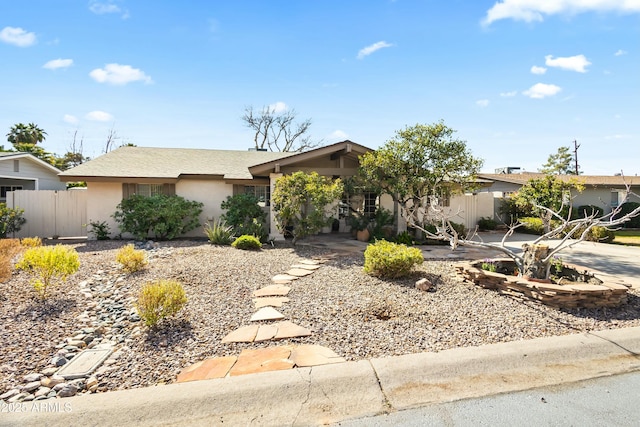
[628, 311]
[47, 309]
[168, 334]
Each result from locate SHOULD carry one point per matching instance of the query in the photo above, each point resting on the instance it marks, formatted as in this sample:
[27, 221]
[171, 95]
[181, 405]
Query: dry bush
[9, 248]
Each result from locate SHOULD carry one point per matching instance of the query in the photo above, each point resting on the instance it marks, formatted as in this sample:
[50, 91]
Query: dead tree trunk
[535, 261]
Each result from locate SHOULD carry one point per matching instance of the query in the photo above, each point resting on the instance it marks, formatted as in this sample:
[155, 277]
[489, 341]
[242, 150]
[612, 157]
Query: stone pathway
[251, 361]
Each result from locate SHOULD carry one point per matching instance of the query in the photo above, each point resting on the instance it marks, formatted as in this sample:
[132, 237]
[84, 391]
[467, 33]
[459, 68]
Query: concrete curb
[331, 393]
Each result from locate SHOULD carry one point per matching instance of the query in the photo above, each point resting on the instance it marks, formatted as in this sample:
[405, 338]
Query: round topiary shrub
[247, 242]
[391, 260]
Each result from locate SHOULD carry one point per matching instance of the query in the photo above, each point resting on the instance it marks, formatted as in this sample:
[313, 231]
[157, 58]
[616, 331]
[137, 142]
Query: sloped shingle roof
[590, 180]
[150, 162]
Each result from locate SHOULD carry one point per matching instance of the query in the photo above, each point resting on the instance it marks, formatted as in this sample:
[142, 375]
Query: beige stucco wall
[211, 193]
[104, 197]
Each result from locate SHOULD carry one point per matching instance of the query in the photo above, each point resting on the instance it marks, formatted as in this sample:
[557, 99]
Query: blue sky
[517, 79]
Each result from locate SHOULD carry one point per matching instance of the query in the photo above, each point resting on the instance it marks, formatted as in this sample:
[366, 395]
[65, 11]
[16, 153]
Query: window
[261, 192]
[147, 189]
[615, 200]
[370, 205]
[16, 165]
[5, 188]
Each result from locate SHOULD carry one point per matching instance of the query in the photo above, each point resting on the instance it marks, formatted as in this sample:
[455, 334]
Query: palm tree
[26, 134]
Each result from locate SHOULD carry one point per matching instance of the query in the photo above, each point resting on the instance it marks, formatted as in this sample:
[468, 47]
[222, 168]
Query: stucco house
[204, 175]
[24, 171]
[606, 192]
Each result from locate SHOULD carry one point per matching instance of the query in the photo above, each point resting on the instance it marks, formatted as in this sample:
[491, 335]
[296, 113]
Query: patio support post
[274, 233]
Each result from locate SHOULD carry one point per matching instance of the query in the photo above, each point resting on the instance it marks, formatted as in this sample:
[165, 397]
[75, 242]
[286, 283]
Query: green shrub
[11, 220]
[219, 233]
[404, 238]
[100, 229]
[390, 260]
[487, 223]
[626, 208]
[50, 265]
[246, 242]
[245, 216]
[165, 217]
[381, 220]
[160, 299]
[459, 228]
[31, 242]
[587, 210]
[131, 259]
[532, 225]
[596, 234]
[489, 265]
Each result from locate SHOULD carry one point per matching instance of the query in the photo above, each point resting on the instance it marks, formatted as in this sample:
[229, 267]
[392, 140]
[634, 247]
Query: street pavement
[604, 401]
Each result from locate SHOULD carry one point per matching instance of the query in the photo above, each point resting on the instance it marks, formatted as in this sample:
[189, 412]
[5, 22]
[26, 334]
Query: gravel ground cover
[355, 315]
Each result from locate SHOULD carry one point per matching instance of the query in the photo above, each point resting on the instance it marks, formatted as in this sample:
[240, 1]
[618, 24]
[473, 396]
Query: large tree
[547, 197]
[418, 167]
[26, 134]
[276, 129]
[560, 163]
[25, 138]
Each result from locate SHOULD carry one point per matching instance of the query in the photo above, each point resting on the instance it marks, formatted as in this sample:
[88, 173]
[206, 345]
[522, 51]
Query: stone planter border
[572, 295]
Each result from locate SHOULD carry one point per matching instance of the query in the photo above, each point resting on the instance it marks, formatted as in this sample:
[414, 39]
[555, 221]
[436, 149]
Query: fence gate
[50, 213]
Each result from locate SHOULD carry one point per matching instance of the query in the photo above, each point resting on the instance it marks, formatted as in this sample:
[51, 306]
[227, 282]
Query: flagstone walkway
[275, 358]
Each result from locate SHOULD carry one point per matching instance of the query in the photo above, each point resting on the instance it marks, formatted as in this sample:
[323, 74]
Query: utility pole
[575, 155]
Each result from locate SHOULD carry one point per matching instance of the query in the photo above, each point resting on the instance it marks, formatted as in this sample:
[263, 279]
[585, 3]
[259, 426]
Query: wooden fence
[51, 213]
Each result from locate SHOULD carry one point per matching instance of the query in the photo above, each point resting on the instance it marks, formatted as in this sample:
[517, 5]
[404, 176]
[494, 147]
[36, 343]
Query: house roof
[589, 180]
[172, 163]
[348, 149]
[152, 162]
[15, 155]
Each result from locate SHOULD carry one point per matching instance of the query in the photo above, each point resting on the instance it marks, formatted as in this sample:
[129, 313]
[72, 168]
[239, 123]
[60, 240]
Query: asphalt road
[608, 401]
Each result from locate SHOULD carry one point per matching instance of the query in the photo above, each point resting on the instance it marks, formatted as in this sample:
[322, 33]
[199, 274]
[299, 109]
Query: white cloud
[541, 90]
[68, 118]
[620, 52]
[482, 103]
[617, 136]
[372, 48]
[98, 116]
[535, 10]
[105, 7]
[117, 74]
[54, 64]
[573, 63]
[338, 135]
[278, 107]
[508, 94]
[17, 37]
[538, 70]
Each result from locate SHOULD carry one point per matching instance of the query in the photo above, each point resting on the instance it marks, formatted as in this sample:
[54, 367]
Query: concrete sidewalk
[332, 393]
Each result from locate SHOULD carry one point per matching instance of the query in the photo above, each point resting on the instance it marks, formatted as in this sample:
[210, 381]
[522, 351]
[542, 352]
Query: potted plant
[360, 226]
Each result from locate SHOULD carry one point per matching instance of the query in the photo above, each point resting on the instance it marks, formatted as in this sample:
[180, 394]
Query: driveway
[616, 260]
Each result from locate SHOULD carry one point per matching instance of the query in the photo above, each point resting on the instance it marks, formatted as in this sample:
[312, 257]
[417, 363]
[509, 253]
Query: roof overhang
[335, 151]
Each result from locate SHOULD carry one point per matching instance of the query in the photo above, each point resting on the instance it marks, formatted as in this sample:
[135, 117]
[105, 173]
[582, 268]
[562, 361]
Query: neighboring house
[606, 192]
[24, 171]
[207, 176]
